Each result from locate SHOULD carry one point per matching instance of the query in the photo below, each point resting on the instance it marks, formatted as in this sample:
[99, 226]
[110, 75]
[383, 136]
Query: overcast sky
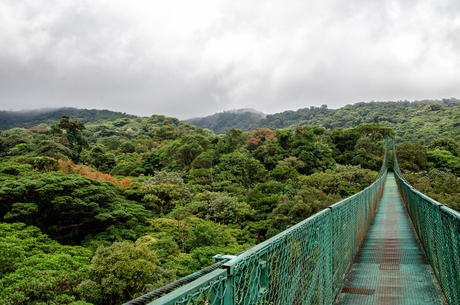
[186, 58]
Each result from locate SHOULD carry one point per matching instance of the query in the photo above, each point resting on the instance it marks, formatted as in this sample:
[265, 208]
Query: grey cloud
[269, 55]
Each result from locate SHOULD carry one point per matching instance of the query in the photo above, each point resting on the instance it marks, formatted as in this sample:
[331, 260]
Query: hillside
[220, 123]
[30, 118]
[417, 122]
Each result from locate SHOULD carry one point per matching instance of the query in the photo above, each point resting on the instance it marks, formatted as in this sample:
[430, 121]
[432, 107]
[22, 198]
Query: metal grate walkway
[391, 266]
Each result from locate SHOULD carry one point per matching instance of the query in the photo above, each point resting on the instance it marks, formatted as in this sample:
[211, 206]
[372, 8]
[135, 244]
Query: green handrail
[438, 228]
[305, 264]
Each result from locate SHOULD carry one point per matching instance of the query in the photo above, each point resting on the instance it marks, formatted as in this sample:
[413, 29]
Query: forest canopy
[79, 201]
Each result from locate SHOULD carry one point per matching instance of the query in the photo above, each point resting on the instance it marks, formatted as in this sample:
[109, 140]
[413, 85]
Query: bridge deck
[391, 267]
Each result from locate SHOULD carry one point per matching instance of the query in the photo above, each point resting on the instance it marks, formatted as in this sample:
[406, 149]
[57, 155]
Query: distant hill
[220, 123]
[30, 118]
[418, 121]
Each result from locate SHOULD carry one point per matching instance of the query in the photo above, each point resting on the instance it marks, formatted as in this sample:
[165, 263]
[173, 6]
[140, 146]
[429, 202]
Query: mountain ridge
[34, 117]
[416, 121]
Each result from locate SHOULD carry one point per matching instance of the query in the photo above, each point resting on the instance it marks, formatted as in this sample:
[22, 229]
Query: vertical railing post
[229, 291]
[263, 277]
[330, 262]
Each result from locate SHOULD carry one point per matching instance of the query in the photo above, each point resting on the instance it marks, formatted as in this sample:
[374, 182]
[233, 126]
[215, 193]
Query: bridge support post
[229, 295]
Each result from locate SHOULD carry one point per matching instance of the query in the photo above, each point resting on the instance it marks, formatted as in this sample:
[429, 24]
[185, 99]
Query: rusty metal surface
[358, 290]
[391, 260]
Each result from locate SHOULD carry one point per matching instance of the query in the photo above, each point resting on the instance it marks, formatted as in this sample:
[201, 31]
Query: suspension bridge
[389, 244]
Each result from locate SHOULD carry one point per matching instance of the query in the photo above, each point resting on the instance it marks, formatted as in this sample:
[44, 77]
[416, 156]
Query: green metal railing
[438, 228]
[305, 264]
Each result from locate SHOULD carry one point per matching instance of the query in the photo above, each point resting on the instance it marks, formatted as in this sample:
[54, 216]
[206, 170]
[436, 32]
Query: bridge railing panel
[293, 267]
[305, 264]
[451, 228]
[351, 219]
[438, 228]
[209, 289]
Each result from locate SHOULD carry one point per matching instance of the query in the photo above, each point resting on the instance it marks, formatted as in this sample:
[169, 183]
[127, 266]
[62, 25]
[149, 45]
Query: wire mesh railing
[438, 228]
[305, 264]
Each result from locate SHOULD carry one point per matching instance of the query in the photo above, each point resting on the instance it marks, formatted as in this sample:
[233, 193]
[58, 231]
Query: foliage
[73, 133]
[317, 192]
[181, 193]
[151, 163]
[35, 269]
[68, 167]
[30, 118]
[241, 168]
[54, 149]
[207, 234]
[45, 164]
[222, 207]
[448, 144]
[220, 123]
[121, 272]
[412, 157]
[440, 185]
[183, 151]
[163, 191]
[444, 160]
[64, 206]
[415, 122]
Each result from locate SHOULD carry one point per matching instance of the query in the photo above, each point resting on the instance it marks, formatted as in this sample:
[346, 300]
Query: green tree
[448, 144]
[292, 162]
[207, 234]
[283, 173]
[369, 153]
[442, 186]
[163, 191]
[122, 272]
[374, 131]
[345, 141]
[128, 168]
[184, 150]
[45, 164]
[233, 140]
[411, 157]
[111, 143]
[241, 168]
[37, 270]
[66, 207]
[53, 149]
[204, 162]
[162, 243]
[222, 207]
[444, 160]
[127, 147]
[181, 215]
[73, 133]
[151, 164]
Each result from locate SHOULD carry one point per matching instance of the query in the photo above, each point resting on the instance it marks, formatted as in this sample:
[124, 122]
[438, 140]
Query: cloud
[193, 58]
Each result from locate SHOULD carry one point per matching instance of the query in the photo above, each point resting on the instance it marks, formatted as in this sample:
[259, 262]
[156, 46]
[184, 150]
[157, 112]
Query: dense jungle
[99, 207]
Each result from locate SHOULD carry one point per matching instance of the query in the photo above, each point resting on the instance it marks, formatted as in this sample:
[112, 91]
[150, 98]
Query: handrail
[304, 264]
[144, 299]
[438, 228]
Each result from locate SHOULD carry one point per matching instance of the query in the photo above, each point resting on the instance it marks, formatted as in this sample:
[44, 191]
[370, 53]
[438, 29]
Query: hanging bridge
[389, 244]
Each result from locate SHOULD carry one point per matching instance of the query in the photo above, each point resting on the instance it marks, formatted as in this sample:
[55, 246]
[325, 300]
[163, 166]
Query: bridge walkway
[391, 266]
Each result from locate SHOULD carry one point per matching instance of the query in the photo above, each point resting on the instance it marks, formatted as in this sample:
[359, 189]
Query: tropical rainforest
[416, 122]
[99, 207]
